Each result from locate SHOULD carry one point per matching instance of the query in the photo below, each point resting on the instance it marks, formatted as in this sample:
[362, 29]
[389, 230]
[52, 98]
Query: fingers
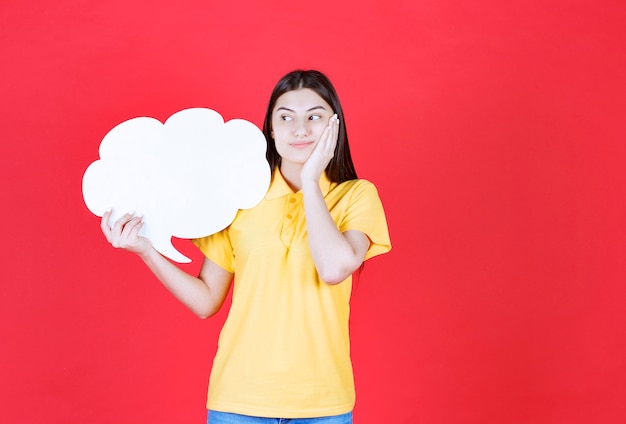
[323, 151]
[331, 135]
[328, 139]
[128, 226]
[123, 221]
[324, 138]
[127, 229]
[104, 224]
[124, 232]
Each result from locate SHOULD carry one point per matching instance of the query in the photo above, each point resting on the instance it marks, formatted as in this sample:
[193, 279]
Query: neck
[291, 174]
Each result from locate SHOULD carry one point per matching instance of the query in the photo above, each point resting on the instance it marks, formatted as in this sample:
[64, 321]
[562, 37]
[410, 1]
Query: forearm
[334, 256]
[192, 291]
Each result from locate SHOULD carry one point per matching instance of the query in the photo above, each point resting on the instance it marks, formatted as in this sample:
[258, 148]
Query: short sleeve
[218, 248]
[365, 213]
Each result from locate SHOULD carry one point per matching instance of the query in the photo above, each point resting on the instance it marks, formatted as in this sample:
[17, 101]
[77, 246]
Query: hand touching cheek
[322, 153]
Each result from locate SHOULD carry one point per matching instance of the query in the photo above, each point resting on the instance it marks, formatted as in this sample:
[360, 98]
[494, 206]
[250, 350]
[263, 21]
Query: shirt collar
[279, 187]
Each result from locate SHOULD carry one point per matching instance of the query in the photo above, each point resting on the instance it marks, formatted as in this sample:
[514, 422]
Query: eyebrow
[293, 111]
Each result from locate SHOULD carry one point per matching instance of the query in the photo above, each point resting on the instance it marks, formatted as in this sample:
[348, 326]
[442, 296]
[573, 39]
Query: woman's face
[299, 118]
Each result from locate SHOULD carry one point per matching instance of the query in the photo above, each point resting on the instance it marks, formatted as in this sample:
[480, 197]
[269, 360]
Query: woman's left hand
[322, 153]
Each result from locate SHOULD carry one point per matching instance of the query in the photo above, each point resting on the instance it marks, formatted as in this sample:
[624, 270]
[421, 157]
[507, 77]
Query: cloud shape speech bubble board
[187, 177]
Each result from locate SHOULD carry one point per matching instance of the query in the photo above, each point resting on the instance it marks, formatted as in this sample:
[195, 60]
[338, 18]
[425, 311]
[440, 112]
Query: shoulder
[354, 185]
[352, 194]
[358, 187]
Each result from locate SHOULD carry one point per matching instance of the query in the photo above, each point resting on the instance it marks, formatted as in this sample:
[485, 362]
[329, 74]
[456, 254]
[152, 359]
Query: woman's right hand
[124, 234]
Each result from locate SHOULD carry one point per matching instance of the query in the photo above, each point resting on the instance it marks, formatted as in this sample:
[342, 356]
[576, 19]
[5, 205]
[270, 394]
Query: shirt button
[289, 216]
[292, 200]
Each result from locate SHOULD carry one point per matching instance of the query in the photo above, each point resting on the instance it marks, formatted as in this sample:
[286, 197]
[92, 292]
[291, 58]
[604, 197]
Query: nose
[302, 128]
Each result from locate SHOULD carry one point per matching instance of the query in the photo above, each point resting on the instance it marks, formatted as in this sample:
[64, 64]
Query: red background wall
[494, 130]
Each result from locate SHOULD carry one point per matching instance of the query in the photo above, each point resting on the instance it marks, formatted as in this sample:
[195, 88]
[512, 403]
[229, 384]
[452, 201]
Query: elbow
[337, 264]
[333, 282]
[336, 272]
[205, 313]
[334, 277]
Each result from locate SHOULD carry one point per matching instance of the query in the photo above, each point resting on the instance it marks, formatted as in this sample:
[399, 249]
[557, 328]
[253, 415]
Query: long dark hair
[340, 168]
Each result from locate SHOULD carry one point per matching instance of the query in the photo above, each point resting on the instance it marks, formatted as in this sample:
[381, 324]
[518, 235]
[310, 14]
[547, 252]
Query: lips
[301, 144]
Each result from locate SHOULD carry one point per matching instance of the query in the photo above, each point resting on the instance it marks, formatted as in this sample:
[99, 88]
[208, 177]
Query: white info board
[188, 177]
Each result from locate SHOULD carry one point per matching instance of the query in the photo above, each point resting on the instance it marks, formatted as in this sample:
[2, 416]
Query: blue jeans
[216, 417]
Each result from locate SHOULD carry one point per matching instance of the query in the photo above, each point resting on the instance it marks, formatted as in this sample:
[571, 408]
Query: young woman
[284, 350]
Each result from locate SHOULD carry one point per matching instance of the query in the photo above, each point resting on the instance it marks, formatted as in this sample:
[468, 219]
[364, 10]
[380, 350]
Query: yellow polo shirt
[284, 350]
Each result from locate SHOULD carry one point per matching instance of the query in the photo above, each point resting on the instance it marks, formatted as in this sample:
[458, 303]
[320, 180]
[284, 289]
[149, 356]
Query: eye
[314, 117]
[285, 118]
